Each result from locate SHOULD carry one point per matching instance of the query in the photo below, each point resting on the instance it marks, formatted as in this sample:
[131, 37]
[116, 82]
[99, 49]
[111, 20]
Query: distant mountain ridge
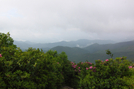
[98, 51]
[79, 43]
[113, 47]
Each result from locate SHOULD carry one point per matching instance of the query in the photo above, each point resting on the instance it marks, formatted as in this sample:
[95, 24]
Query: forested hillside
[95, 51]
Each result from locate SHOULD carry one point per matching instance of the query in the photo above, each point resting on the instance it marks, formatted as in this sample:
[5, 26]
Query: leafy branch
[109, 53]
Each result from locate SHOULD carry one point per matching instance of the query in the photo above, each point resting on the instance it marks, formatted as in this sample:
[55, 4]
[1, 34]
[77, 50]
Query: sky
[48, 21]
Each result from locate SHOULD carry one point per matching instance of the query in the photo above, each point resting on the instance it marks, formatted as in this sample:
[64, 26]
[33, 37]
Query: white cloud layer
[44, 21]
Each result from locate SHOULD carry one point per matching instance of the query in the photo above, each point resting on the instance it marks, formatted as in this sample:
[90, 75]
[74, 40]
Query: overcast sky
[48, 21]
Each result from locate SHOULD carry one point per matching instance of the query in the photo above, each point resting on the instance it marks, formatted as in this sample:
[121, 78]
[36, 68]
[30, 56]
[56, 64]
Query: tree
[109, 53]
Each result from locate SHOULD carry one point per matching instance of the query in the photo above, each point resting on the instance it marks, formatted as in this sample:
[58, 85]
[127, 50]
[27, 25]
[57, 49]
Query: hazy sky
[46, 21]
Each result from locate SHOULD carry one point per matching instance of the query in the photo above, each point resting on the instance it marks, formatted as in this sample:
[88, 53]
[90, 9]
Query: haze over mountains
[79, 43]
[83, 49]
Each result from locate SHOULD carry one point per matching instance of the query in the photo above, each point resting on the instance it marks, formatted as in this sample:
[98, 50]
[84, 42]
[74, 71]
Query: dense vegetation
[35, 69]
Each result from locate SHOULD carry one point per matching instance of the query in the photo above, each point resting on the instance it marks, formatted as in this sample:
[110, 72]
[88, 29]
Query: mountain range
[83, 49]
[79, 43]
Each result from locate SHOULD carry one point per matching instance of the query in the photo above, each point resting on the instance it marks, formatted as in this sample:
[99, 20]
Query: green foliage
[106, 74]
[34, 69]
[29, 69]
[109, 53]
[68, 72]
[6, 40]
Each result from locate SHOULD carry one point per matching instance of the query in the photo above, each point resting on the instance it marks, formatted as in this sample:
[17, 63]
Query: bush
[30, 69]
[105, 75]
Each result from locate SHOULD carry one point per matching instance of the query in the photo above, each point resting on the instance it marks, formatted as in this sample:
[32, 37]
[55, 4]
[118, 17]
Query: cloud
[55, 20]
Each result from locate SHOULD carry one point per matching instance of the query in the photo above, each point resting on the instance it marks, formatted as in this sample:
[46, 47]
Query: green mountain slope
[96, 51]
[69, 50]
[118, 47]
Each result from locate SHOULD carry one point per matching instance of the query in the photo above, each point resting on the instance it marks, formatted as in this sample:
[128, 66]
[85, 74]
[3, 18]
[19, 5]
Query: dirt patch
[67, 87]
